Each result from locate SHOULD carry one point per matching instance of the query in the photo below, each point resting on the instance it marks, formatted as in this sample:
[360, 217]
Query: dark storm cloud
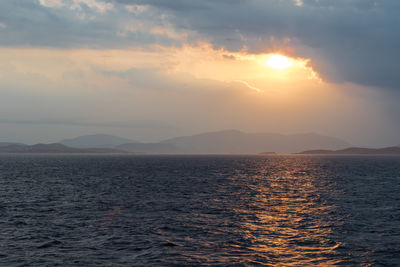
[27, 23]
[347, 40]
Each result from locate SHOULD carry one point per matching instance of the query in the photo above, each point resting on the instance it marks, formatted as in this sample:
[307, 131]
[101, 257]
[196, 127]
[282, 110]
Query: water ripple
[199, 210]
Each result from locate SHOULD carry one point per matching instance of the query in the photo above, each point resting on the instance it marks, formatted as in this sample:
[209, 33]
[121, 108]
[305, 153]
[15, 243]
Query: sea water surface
[199, 210]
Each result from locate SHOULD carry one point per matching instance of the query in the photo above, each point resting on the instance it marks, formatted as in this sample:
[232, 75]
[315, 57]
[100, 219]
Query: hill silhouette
[220, 142]
[233, 141]
[95, 141]
[53, 148]
[237, 142]
[156, 148]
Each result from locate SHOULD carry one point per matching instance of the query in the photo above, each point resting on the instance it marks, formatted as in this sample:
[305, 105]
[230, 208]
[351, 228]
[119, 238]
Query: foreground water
[199, 210]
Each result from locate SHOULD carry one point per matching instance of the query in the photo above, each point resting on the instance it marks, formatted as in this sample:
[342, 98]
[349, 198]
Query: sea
[199, 210]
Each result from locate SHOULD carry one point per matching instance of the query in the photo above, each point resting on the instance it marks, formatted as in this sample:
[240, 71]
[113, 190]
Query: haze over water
[199, 210]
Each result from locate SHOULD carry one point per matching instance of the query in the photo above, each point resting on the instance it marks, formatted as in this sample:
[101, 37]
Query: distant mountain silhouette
[156, 148]
[222, 142]
[237, 142]
[9, 143]
[357, 151]
[95, 141]
[233, 141]
[53, 148]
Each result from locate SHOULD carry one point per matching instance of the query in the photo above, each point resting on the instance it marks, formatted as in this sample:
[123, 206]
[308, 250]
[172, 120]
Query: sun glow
[278, 62]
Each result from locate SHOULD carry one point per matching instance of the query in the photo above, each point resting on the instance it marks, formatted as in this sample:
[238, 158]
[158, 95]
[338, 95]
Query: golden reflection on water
[291, 225]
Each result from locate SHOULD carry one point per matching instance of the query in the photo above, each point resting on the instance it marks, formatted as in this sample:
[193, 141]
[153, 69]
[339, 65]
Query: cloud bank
[347, 41]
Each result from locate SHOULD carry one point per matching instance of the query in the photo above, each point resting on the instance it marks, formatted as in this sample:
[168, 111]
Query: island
[53, 148]
[356, 151]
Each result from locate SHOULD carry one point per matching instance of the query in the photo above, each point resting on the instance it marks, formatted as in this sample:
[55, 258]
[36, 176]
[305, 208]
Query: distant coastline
[355, 151]
[55, 148]
[229, 142]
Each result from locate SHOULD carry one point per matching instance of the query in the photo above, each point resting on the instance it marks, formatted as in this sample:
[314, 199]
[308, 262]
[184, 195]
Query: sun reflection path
[292, 224]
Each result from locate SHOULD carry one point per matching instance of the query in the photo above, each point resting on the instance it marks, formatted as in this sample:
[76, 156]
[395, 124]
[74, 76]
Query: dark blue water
[199, 210]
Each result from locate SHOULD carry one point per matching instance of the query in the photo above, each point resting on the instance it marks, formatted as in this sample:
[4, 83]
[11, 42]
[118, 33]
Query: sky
[154, 69]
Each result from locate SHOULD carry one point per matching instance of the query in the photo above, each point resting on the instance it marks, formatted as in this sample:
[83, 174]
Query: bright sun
[278, 62]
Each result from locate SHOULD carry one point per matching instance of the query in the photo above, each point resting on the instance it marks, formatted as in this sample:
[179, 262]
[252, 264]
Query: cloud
[249, 86]
[347, 40]
[51, 3]
[158, 80]
[80, 23]
[96, 5]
